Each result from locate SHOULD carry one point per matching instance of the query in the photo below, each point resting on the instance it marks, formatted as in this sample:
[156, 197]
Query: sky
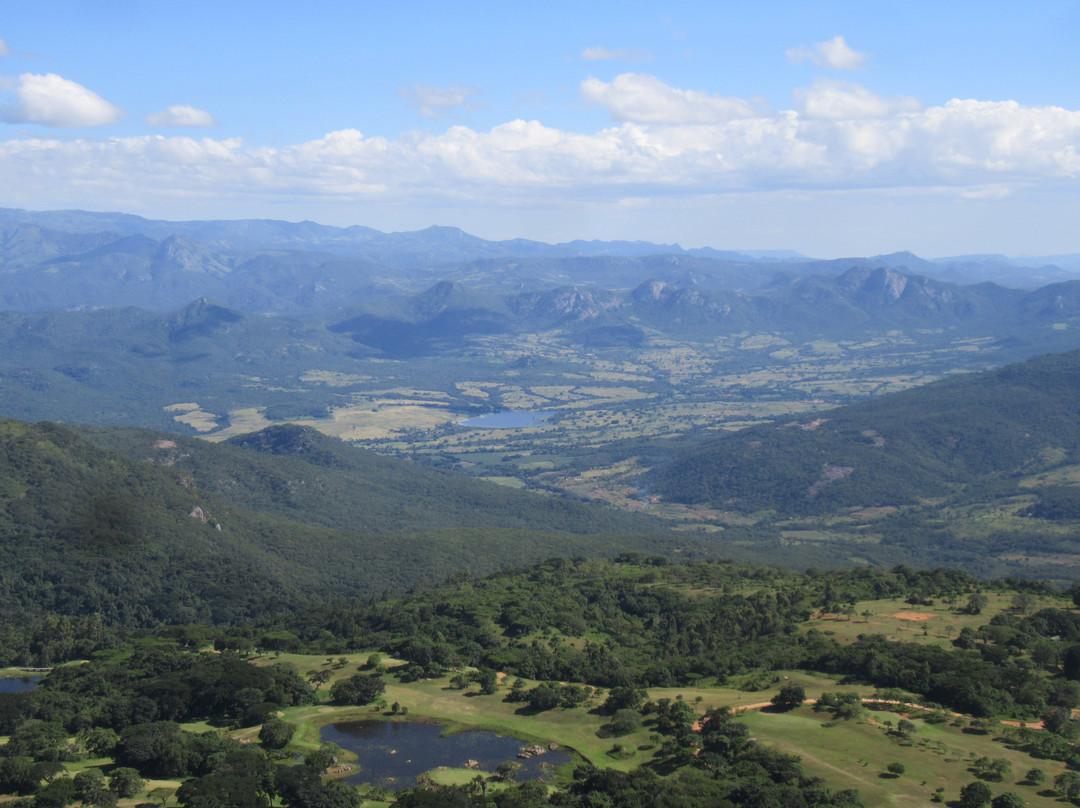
[831, 128]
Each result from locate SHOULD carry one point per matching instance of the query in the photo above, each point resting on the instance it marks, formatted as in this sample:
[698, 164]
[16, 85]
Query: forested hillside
[220, 533]
[919, 444]
[298, 473]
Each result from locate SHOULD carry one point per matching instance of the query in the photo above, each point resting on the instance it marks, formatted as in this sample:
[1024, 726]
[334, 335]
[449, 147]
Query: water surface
[19, 684]
[392, 754]
[507, 419]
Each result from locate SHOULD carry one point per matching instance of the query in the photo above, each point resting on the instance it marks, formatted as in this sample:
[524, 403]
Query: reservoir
[392, 754]
[18, 685]
[507, 419]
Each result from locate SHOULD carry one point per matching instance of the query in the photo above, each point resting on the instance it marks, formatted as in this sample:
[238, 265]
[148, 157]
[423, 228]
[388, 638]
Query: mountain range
[78, 259]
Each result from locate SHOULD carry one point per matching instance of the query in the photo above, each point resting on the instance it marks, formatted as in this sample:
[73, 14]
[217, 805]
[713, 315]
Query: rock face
[182, 254]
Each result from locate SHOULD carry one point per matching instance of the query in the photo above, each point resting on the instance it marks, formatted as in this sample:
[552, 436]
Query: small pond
[19, 684]
[507, 419]
[392, 754]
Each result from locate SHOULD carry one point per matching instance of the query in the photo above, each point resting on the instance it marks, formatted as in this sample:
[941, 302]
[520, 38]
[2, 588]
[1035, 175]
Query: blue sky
[830, 128]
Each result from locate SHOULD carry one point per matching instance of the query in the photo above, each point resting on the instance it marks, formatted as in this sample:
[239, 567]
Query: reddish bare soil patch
[916, 616]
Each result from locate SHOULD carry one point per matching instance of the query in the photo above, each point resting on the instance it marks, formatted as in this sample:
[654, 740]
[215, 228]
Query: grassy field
[931, 625]
[854, 754]
[846, 754]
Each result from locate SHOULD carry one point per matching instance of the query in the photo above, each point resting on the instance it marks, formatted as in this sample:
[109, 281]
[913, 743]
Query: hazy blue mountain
[80, 259]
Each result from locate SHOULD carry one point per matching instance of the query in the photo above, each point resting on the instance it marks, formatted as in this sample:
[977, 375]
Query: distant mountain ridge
[68, 259]
[860, 300]
[124, 365]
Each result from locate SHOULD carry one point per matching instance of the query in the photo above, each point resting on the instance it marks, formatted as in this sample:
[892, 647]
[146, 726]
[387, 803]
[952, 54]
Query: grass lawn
[932, 625]
[19, 673]
[854, 754]
[465, 709]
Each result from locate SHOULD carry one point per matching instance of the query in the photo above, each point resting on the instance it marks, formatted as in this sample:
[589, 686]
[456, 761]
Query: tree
[57, 794]
[302, 787]
[160, 750]
[975, 795]
[1023, 602]
[99, 741]
[1056, 719]
[488, 680]
[276, 733]
[620, 697]
[358, 689]
[507, 770]
[895, 769]
[126, 782]
[1070, 662]
[1035, 777]
[976, 603]
[790, 696]
[1067, 785]
[87, 780]
[1009, 799]
[323, 758]
[40, 740]
[47, 770]
[320, 678]
[624, 722]
[545, 696]
[90, 788]
[222, 791]
[998, 769]
[18, 775]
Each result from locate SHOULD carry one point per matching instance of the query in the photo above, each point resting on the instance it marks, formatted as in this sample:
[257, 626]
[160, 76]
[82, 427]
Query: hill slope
[222, 533]
[300, 474]
[919, 444]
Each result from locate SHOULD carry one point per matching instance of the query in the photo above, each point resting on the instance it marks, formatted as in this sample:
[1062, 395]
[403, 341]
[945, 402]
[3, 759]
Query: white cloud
[845, 100]
[435, 103]
[600, 53]
[646, 99]
[834, 54]
[180, 115]
[52, 100]
[684, 152]
[5, 49]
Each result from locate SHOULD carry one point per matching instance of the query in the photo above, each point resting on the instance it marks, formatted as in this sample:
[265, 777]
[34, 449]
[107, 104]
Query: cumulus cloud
[834, 54]
[180, 115]
[647, 99]
[435, 103]
[599, 53]
[845, 99]
[965, 145]
[52, 100]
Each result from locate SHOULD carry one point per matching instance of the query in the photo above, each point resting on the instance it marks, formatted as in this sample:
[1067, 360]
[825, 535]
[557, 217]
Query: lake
[392, 754]
[507, 419]
[19, 684]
